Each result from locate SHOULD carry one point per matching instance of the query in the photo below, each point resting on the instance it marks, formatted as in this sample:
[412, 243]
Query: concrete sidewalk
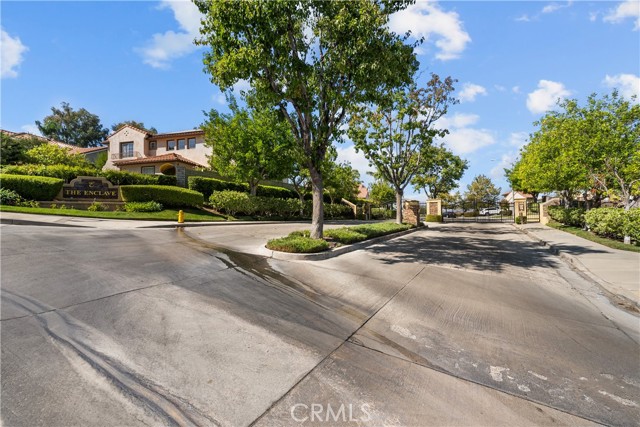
[614, 270]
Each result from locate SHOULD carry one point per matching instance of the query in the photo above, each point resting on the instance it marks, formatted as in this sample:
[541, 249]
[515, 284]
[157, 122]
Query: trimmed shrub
[207, 186]
[142, 207]
[632, 224]
[298, 244]
[607, 222]
[9, 197]
[277, 192]
[521, 220]
[96, 207]
[433, 218]
[232, 202]
[64, 172]
[132, 178]
[336, 211]
[164, 194]
[32, 187]
[382, 213]
[568, 216]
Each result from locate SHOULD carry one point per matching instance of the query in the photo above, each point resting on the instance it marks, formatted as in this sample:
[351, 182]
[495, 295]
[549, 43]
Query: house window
[148, 170]
[126, 149]
[171, 145]
[181, 144]
[153, 145]
[191, 143]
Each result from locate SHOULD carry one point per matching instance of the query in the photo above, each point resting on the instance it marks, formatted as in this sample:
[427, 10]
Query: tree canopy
[79, 127]
[13, 150]
[249, 145]
[139, 125]
[483, 191]
[341, 181]
[595, 146]
[396, 134]
[439, 172]
[312, 59]
[51, 154]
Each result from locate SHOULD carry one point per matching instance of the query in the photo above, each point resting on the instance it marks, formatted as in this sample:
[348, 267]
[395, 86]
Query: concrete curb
[332, 253]
[577, 265]
[15, 221]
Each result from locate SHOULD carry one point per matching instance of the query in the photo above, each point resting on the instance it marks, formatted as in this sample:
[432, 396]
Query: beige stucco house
[136, 150]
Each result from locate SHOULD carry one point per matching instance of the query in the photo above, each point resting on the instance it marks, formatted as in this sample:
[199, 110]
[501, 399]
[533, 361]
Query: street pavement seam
[284, 395]
[471, 381]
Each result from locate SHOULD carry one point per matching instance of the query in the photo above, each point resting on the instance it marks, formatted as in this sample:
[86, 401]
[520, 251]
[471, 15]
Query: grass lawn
[300, 242]
[613, 244]
[190, 215]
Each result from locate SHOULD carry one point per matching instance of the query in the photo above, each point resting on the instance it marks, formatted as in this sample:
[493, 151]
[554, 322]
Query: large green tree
[439, 172]
[13, 150]
[483, 192]
[579, 148]
[341, 181]
[381, 192]
[249, 145]
[313, 59]
[73, 127]
[396, 134]
[135, 124]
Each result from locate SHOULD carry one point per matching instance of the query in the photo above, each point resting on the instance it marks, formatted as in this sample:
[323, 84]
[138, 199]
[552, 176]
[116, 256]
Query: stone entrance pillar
[520, 206]
[434, 207]
[411, 212]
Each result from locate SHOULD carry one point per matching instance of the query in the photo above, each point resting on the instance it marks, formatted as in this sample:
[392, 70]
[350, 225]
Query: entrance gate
[503, 212]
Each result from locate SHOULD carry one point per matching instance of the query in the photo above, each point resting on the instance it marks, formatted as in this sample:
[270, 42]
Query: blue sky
[135, 61]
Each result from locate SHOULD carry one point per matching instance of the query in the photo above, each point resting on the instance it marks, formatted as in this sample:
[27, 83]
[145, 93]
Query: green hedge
[568, 216]
[166, 195]
[207, 186]
[277, 192]
[433, 218]
[67, 173]
[236, 203]
[131, 178]
[64, 172]
[32, 187]
[142, 207]
[614, 223]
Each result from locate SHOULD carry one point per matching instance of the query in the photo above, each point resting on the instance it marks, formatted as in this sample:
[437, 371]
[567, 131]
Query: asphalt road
[463, 324]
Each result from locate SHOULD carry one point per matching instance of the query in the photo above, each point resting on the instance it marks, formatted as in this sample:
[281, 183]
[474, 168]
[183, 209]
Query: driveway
[467, 324]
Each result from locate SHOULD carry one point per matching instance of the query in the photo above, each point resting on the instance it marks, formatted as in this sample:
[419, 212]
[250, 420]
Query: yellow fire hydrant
[180, 217]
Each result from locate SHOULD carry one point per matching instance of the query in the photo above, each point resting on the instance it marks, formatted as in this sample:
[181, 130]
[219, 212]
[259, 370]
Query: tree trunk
[399, 206]
[253, 187]
[317, 216]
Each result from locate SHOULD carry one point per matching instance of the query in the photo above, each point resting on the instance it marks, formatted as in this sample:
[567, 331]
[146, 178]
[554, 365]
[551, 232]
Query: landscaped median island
[300, 242]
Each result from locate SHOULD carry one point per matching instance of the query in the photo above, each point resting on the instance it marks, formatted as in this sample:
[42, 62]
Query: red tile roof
[171, 157]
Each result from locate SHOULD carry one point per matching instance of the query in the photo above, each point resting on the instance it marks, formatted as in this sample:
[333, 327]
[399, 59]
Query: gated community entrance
[520, 210]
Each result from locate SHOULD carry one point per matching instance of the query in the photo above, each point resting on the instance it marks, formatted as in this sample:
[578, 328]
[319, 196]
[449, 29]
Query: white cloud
[32, 129]
[470, 91]
[553, 7]
[167, 46]
[523, 18]
[497, 172]
[593, 16]
[500, 88]
[11, 54]
[463, 139]
[626, 9]
[545, 97]
[357, 160]
[518, 139]
[515, 89]
[428, 20]
[627, 84]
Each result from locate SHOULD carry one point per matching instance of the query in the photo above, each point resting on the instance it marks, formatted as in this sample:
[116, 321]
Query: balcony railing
[126, 155]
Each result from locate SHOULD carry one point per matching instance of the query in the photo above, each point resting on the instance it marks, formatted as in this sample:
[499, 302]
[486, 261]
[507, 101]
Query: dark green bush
[164, 194]
[142, 207]
[276, 192]
[207, 186]
[568, 216]
[9, 197]
[382, 213]
[96, 207]
[64, 172]
[521, 220]
[433, 218]
[336, 211]
[131, 178]
[32, 187]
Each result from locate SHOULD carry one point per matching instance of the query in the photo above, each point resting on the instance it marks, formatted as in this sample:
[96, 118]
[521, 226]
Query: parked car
[490, 211]
[448, 214]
